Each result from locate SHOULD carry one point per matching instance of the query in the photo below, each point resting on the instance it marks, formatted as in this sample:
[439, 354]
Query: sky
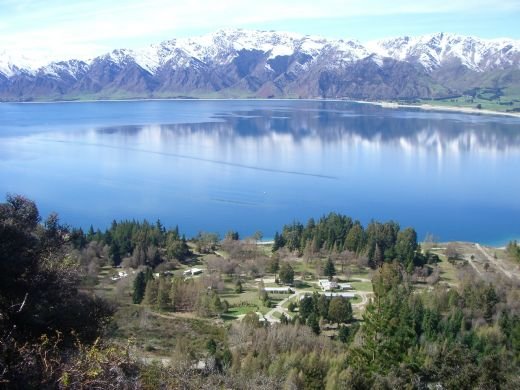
[63, 29]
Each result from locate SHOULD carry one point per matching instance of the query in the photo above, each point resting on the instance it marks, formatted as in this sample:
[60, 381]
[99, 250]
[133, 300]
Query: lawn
[277, 314]
[361, 286]
[448, 270]
[234, 312]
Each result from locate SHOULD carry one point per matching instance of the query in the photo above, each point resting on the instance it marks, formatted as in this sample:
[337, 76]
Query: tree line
[52, 332]
[380, 242]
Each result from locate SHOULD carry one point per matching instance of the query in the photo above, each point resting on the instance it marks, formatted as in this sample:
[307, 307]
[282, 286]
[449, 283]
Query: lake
[248, 165]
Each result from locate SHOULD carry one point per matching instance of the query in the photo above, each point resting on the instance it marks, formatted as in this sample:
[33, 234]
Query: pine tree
[139, 288]
[278, 242]
[343, 334]
[151, 292]
[329, 269]
[163, 291]
[313, 323]
[286, 274]
[340, 310]
[274, 263]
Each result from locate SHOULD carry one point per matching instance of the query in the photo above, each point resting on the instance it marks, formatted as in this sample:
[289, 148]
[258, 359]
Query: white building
[329, 285]
[278, 290]
[192, 272]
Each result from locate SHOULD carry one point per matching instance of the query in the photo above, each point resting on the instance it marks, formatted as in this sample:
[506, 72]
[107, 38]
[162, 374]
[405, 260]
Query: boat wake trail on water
[195, 158]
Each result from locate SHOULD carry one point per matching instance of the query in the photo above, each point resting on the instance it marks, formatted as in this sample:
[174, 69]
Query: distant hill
[242, 63]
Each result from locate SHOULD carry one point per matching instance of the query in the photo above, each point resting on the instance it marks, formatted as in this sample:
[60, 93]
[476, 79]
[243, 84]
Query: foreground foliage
[52, 333]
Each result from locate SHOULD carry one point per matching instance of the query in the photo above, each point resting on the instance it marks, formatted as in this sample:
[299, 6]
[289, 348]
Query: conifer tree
[151, 292]
[329, 269]
[139, 288]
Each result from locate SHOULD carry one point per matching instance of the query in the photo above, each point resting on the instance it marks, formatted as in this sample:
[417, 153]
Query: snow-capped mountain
[239, 63]
[15, 63]
[432, 51]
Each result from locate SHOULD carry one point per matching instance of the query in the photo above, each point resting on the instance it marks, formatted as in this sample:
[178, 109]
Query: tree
[258, 236]
[355, 237]
[206, 242]
[313, 323]
[43, 315]
[274, 263]
[139, 288]
[151, 292]
[176, 248]
[340, 310]
[278, 242]
[343, 334]
[232, 236]
[306, 307]
[323, 306]
[163, 293]
[406, 246]
[330, 269]
[286, 274]
[238, 287]
[115, 255]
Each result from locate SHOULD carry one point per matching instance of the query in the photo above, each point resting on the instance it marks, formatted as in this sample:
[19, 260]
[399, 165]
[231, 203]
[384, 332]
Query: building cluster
[330, 285]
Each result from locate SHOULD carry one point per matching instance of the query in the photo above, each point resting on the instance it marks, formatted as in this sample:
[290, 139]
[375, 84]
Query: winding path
[279, 307]
[269, 316]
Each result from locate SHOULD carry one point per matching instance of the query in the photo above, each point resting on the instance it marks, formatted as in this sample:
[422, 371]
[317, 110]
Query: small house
[328, 285]
[278, 290]
[192, 272]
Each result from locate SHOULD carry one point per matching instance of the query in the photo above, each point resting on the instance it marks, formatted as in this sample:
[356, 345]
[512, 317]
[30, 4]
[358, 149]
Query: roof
[273, 289]
[193, 271]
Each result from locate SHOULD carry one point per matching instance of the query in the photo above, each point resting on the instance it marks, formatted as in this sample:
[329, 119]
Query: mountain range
[244, 63]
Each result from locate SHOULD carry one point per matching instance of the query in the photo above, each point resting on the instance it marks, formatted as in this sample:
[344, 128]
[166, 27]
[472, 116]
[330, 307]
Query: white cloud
[59, 28]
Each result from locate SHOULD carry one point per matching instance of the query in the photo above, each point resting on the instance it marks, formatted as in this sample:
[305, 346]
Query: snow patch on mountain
[12, 63]
[223, 46]
[431, 51]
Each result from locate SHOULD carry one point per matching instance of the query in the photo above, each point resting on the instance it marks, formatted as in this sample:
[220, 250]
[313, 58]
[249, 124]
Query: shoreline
[431, 107]
[382, 104]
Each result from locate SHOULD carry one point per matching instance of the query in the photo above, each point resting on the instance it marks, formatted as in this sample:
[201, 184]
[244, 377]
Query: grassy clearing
[235, 312]
[235, 299]
[448, 270]
[361, 286]
[293, 300]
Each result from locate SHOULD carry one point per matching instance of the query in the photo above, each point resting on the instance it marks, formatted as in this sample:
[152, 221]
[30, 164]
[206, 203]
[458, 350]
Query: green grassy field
[361, 286]
[485, 99]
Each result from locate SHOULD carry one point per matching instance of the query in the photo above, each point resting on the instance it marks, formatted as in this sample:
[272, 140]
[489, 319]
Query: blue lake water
[256, 165]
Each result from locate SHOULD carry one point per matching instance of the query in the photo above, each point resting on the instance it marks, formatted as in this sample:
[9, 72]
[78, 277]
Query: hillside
[264, 64]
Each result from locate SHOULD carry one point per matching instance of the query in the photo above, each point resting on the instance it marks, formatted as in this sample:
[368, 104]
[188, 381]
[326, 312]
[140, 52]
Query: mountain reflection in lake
[255, 165]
